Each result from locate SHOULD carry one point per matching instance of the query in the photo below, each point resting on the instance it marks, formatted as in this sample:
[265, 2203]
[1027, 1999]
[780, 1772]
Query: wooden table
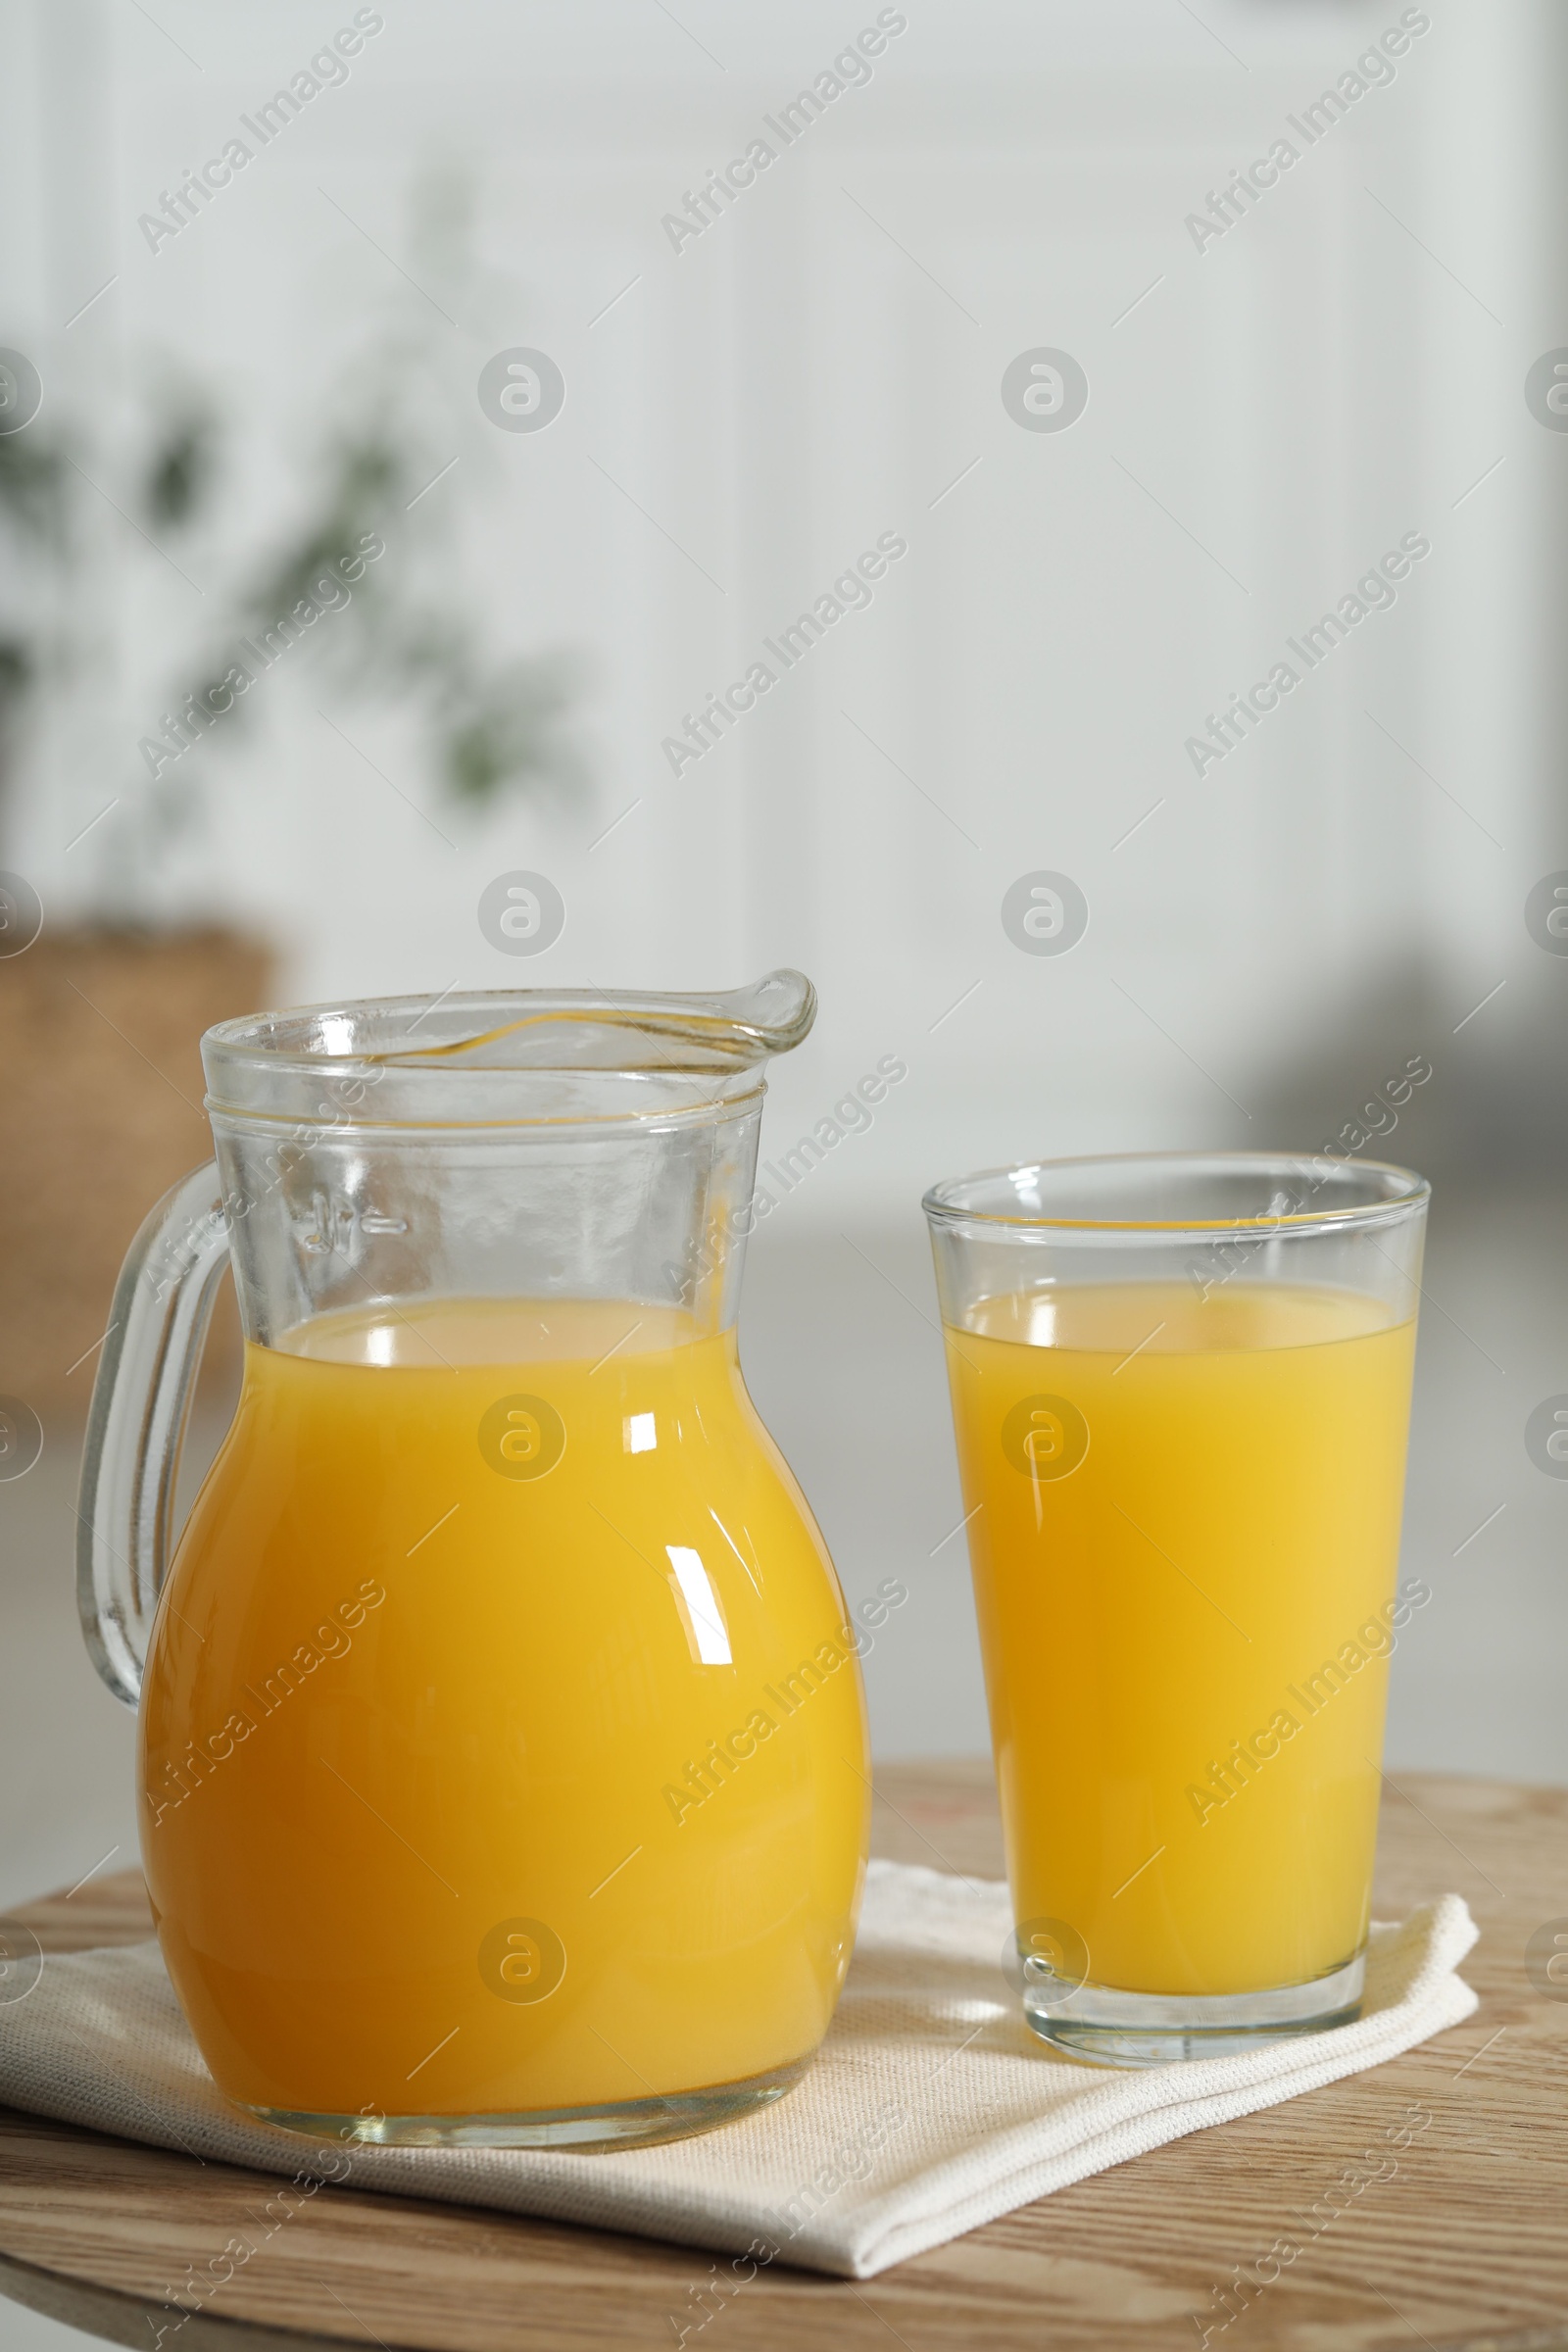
[1465, 2245]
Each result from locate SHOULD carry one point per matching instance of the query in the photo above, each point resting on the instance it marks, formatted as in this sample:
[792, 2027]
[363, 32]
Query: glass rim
[684, 1032]
[558, 1058]
[1406, 1191]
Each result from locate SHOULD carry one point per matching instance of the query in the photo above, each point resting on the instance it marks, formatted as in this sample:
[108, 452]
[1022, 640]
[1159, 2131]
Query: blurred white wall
[1266, 415]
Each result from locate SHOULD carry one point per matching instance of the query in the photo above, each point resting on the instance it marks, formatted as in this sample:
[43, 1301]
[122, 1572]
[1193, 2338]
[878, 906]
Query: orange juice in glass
[495, 1607]
[1181, 1392]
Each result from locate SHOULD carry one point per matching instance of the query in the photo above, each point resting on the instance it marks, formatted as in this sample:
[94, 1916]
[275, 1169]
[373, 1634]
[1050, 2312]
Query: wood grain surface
[1464, 2245]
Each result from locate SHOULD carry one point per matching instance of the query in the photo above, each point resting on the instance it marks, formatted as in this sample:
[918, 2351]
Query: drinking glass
[1181, 1388]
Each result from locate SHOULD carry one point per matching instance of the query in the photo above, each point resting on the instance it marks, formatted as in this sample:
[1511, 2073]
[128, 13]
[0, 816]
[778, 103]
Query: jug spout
[592, 1029]
[505, 1056]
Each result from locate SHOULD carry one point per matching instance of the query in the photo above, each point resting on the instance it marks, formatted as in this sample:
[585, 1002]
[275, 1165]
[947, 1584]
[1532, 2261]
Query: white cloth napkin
[930, 2110]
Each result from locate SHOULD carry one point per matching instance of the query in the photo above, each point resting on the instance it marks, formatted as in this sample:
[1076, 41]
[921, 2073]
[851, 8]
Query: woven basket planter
[100, 1099]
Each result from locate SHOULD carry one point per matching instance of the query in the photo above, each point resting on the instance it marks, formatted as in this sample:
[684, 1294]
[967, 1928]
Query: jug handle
[140, 1405]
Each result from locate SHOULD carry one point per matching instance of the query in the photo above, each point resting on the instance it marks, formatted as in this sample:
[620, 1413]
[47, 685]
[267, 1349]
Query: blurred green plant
[33, 503]
[410, 635]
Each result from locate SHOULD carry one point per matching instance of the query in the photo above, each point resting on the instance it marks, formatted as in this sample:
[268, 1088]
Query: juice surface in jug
[1185, 1526]
[503, 1745]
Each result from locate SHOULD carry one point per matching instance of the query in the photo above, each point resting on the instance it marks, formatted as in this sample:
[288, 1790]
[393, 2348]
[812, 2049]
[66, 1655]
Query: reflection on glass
[706, 1628]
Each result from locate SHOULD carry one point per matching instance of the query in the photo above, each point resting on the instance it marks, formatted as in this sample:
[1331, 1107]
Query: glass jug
[502, 1761]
